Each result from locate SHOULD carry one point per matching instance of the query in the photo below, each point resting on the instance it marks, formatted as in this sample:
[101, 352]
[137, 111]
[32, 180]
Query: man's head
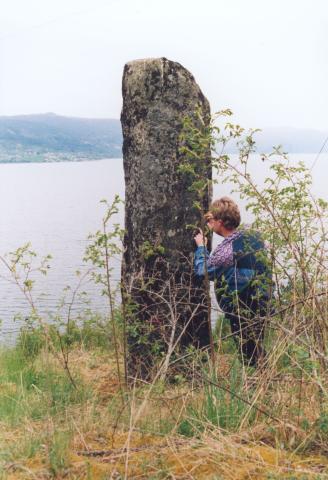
[223, 216]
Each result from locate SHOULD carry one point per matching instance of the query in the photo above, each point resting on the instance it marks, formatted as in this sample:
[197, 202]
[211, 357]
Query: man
[242, 278]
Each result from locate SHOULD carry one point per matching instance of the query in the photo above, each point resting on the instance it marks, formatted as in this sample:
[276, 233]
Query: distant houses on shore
[52, 138]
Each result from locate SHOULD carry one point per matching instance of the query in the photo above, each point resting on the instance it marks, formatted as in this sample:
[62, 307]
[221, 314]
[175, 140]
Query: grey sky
[266, 60]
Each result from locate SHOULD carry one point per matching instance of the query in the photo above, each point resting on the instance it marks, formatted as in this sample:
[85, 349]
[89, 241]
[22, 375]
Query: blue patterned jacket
[238, 263]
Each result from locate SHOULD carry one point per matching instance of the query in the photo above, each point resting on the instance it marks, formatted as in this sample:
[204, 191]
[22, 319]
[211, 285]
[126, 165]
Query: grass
[191, 429]
[220, 406]
[34, 389]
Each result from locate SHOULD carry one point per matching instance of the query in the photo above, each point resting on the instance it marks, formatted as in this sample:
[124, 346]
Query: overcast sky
[266, 60]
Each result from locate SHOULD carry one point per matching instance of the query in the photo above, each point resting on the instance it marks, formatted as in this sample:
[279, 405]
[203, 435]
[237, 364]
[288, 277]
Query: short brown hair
[226, 210]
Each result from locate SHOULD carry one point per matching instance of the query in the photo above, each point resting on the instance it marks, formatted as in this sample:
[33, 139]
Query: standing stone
[163, 302]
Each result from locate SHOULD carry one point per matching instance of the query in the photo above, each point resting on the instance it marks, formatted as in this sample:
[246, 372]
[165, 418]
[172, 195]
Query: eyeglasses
[210, 219]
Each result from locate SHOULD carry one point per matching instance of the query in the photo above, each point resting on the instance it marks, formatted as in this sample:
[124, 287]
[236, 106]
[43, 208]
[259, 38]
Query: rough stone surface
[157, 95]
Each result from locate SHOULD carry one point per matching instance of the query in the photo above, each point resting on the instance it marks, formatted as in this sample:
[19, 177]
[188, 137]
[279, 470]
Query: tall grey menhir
[166, 308]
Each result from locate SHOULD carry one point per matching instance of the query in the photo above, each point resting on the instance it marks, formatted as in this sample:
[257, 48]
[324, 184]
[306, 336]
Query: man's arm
[200, 260]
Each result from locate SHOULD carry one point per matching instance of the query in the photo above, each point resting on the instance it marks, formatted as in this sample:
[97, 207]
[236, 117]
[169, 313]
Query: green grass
[90, 333]
[221, 405]
[58, 452]
[43, 416]
[34, 389]
[32, 385]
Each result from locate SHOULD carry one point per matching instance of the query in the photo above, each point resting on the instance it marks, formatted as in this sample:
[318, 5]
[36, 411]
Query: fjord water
[55, 206]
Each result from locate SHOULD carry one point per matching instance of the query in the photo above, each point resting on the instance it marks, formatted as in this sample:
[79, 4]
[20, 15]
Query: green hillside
[49, 137]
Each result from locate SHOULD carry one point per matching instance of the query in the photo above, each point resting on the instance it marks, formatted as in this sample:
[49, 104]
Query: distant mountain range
[50, 137]
[293, 140]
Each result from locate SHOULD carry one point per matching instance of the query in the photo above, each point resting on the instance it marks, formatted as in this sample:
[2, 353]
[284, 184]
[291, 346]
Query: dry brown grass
[102, 444]
[150, 457]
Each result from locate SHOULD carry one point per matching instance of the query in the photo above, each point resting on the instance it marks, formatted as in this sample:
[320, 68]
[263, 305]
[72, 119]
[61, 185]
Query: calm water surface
[55, 206]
